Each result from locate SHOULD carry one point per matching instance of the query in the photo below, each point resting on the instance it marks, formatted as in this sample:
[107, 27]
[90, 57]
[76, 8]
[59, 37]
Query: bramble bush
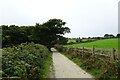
[25, 61]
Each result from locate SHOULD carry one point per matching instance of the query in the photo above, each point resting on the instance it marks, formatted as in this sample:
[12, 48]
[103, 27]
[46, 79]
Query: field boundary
[102, 63]
[111, 54]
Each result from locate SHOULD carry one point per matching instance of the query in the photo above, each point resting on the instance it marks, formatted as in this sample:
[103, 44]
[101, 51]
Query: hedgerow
[25, 61]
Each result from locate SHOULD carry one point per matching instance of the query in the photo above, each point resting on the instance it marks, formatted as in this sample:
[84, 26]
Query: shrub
[59, 47]
[25, 61]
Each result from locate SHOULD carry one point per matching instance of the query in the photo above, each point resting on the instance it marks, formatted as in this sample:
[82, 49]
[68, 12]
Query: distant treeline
[90, 39]
[48, 33]
[106, 36]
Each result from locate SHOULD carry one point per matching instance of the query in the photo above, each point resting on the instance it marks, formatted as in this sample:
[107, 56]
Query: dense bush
[59, 47]
[25, 61]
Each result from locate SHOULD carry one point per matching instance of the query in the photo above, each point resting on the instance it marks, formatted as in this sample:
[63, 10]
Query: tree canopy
[48, 33]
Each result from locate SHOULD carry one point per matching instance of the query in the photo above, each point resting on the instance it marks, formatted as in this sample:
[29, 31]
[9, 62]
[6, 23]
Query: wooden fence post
[118, 54]
[113, 54]
[93, 51]
[74, 50]
[118, 77]
[82, 51]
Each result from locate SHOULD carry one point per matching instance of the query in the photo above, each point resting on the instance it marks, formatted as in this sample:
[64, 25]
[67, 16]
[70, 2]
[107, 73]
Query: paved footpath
[65, 68]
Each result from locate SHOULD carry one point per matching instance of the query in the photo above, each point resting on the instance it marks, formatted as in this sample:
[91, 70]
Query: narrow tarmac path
[65, 68]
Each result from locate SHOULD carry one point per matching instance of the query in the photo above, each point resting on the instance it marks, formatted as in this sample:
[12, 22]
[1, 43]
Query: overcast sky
[84, 17]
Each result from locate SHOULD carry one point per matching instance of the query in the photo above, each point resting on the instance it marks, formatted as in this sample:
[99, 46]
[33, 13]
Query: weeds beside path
[65, 68]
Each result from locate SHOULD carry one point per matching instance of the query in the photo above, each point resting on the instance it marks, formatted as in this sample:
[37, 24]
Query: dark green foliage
[118, 36]
[26, 61]
[59, 47]
[13, 35]
[48, 33]
[108, 36]
[78, 40]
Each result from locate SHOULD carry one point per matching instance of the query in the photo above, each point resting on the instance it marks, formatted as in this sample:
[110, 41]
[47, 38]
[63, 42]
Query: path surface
[65, 68]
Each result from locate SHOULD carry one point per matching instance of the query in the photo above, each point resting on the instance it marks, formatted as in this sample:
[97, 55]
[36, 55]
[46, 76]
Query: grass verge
[48, 67]
[99, 69]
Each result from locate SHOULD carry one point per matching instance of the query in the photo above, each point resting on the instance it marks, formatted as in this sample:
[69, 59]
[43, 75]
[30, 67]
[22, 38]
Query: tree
[118, 36]
[78, 40]
[56, 31]
[109, 36]
[48, 33]
[41, 34]
[106, 36]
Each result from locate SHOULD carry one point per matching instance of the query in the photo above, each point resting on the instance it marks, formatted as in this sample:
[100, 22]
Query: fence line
[108, 53]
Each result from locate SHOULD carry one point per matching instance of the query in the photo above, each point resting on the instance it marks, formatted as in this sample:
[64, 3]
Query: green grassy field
[71, 40]
[106, 43]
